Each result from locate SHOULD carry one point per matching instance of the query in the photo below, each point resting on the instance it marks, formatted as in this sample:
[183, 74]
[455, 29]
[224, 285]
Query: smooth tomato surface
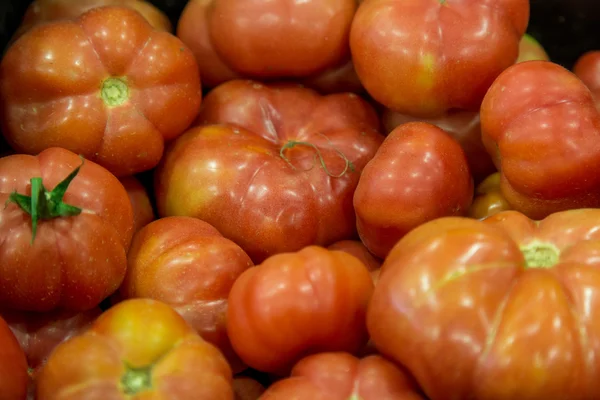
[424, 58]
[188, 264]
[488, 199]
[273, 168]
[342, 376]
[13, 366]
[506, 308]
[295, 304]
[587, 68]
[138, 349]
[540, 125]
[360, 251]
[419, 173]
[113, 97]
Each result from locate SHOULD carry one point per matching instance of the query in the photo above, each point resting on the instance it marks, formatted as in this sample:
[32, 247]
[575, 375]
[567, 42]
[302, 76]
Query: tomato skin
[143, 213]
[464, 126]
[507, 327]
[540, 125]
[247, 388]
[530, 50]
[360, 251]
[253, 168]
[61, 79]
[138, 333]
[74, 262]
[488, 198]
[13, 366]
[264, 40]
[188, 264]
[342, 376]
[419, 173]
[587, 68]
[428, 57]
[295, 304]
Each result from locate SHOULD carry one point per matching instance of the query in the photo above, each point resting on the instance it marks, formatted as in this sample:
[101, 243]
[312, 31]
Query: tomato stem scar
[540, 255]
[136, 380]
[114, 92]
[349, 166]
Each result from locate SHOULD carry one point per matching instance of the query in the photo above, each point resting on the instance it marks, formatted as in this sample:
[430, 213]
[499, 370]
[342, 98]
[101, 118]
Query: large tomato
[423, 58]
[540, 125]
[341, 376]
[419, 173]
[587, 68]
[13, 366]
[273, 168]
[295, 304]
[107, 86]
[143, 213]
[501, 309]
[188, 264]
[138, 349]
[266, 39]
[65, 232]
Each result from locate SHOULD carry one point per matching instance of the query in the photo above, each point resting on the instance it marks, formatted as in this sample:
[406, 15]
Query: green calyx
[136, 380]
[540, 255]
[44, 204]
[114, 92]
[349, 166]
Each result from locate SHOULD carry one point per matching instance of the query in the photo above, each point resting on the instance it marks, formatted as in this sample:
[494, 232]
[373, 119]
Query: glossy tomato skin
[295, 304]
[137, 349]
[488, 199]
[427, 57]
[272, 167]
[342, 376]
[540, 125]
[504, 308]
[13, 366]
[264, 40]
[188, 264]
[464, 126]
[360, 251]
[114, 98]
[587, 68]
[419, 173]
[143, 213]
[74, 262]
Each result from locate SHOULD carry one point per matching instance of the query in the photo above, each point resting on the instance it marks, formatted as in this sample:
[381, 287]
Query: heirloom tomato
[530, 50]
[187, 264]
[341, 376]
[13, 366]
[419, 173]
[541, 127]
[359, 250]
[488, 198]
[106, 85]
[143, 213]
[266, 39]
[65, 230]
[272, 167]
[423, 58]
[504, 308]
[138, 349]
[295, 304]
[587, 68]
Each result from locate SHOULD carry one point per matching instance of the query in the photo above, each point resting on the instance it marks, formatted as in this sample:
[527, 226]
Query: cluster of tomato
[375, 200]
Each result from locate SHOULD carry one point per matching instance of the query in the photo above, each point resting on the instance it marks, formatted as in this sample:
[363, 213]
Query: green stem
[349, 166]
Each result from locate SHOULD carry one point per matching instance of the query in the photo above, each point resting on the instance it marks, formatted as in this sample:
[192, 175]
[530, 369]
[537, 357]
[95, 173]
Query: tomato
[42, 11]
[587, 68]
[113, 97]
[341, 376]
[13, 366]
[530, 49]
[425, 58]
[488, 198]
[143, 213]
[358, 250]
[272, 167]
[188, 264]
[419, 173]
[540, 125]
[464, 126]
[295, 304]
[247, 388]
[138, 349]
[65, 247]
[500, 309]
[336, 80]
[266, 39]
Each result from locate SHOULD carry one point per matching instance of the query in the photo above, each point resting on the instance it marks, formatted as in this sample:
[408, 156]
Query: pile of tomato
[277, 200]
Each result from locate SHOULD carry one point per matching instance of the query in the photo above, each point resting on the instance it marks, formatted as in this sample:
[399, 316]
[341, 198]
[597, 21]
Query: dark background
[566, 28]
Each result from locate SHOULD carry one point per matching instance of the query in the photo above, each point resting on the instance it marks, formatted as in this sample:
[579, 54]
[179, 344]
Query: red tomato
[69, 251]
[295, 304]
[13, 366]
[540, 125]
[424, 58]
[143, 213]
[359, 250]
[188, 264]
[339, 79]
[113, 97]
[530, 49]
[506, 308]
[419, 173]
[464, 126]
[587, 68]
[266, 39]
[277, 170]
[247, 388]
[488, 198]
[341, 376]
[138, 349]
